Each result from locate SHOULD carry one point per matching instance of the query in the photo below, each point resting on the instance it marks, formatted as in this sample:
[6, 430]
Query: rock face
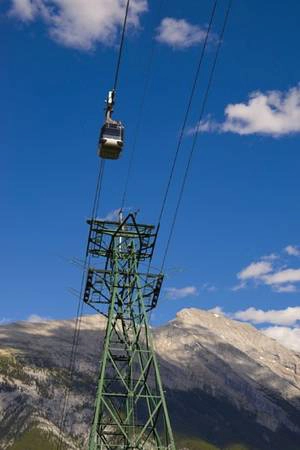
[225, 381]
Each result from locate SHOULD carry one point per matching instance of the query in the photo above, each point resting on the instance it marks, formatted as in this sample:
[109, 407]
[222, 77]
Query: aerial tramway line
[130, 411]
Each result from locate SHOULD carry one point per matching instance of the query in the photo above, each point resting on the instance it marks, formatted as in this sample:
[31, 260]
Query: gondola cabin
[111, 140]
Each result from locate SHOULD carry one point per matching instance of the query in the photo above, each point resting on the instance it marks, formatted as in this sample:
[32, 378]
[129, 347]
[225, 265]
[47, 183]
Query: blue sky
[241, 201]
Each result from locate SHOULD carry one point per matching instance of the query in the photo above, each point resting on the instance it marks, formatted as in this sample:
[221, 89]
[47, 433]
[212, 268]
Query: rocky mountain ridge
[225, 381]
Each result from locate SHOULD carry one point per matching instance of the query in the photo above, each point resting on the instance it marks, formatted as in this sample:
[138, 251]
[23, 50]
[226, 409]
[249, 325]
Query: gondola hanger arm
[110, 103]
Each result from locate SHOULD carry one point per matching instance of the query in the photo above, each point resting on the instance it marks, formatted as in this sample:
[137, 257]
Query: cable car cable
[140, 113]
[187, 112]
[194, 85]
[182, 128]
[196, 134]
[135, 139]
[78, 319]
[80, 304]
[111, 137]
[87, 258]
[98, 190]
[137, 130]
[121, 46]
[94, 212]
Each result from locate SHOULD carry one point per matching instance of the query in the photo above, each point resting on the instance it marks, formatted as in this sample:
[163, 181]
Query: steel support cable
[79, 312]
[98, 189]
[87, 257]
[140, 113]
[86, 265]
[94, 214]
[138, 126]
[183, 126]
[121, 46]
[86, 262]
[196, 134]
[187, 112]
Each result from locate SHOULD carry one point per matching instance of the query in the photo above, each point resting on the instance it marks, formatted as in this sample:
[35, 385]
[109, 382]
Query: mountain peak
[194, 315]
[219, 373]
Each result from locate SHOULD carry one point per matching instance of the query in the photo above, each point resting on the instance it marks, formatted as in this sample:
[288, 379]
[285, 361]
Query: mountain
[228, 385]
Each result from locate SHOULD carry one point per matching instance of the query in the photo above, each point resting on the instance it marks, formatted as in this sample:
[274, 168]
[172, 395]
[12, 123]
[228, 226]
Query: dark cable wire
[95, 208]
[140, 114]
[184, 123]
[137, 131]
[121, 46]
[79, 312]
[86, 262]
[94, 213]
[138, 126]
[196, 132]
[187, 112]
[195, 81]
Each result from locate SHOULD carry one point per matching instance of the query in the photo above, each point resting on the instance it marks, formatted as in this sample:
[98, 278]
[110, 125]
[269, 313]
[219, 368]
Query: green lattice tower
[130, 407]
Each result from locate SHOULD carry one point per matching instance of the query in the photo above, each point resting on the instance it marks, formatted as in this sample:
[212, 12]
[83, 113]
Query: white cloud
[24, 10]
[270, 271]
[80, 24]
[35, 318]
[176, 293]
[273, 113]
[179, 34]
[255, 270]
[285, 288]
[239, 286]
[283, 276]
[112, 216]
[271, 257]
[217, 311]
[288, 316]
[206, 287]
[289, 337]
[207, 125]
[292, 250]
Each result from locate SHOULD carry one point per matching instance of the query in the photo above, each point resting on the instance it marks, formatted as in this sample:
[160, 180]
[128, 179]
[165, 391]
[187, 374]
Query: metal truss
[130, 407]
